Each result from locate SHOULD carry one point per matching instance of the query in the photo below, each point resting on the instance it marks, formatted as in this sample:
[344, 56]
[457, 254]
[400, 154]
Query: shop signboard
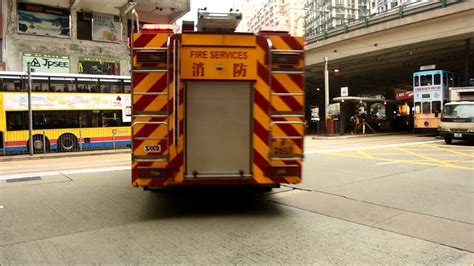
[106, 28]
[46, 63]
[97, 66]
[43, 20]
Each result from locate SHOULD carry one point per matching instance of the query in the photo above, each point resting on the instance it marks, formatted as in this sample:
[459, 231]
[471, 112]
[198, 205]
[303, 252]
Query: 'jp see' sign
[46, 63]
[219, 63]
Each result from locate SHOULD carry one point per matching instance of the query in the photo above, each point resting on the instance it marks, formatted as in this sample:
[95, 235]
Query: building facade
[278, 15]
[380, 6]
[323, 15]
[76, 36]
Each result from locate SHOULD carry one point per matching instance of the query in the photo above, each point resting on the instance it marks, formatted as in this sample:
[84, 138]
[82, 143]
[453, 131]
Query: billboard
[43, 20]
[106, 28]
[46, 63]
[88, 65]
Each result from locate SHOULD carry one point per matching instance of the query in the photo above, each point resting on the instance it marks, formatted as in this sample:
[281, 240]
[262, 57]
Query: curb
[61, 155]
[326, 137]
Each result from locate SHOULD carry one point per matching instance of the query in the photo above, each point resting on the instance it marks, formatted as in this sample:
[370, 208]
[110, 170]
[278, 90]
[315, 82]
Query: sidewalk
[23, 157]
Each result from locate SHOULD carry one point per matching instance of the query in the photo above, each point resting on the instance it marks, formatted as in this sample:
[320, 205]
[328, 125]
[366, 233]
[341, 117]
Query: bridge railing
[395, 13]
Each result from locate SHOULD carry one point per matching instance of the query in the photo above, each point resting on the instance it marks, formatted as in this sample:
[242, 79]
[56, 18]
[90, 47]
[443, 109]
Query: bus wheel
[40, 144]
[448, 140]
[67, 142]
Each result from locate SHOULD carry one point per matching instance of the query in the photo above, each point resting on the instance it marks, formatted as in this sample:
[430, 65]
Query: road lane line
[65, 172]
[384, 163]
[371, 147]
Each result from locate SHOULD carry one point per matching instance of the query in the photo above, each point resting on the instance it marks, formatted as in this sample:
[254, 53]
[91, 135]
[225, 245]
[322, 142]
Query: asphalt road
[374, 200]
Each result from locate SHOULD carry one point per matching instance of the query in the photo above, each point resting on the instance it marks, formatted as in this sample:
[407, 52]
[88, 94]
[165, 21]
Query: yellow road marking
[448, 165]
[454, 151]
[427, 160]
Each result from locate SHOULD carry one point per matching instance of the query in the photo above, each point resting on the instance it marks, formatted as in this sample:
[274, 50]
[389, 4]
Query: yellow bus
[71, 112]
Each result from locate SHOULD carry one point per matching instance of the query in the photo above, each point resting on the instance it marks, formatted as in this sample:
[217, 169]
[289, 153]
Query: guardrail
[396, 13]
[65, 140]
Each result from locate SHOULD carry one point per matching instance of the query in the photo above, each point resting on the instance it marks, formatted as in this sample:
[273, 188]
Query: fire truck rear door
[218, 129]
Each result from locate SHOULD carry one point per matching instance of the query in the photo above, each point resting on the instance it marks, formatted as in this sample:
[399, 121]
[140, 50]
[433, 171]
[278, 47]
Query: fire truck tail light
[152, 57]
[157, 28]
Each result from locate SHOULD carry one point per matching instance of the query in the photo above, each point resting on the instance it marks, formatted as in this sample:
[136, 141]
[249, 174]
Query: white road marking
[384, 163]
[372, 147]
[66, 172]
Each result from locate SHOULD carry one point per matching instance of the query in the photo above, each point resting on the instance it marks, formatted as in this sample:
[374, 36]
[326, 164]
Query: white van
[457, 121]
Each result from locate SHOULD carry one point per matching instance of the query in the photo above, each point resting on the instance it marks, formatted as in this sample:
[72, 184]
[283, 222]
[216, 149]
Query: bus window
[426, 80]
[416, 81]
[110, 86]
[113, 119]
[417, 108]
[87, 85]
[127, 87]
[40, 85]
[426, 108]
[436, 106]
[57, 85]
[16, 120]
[437, 79]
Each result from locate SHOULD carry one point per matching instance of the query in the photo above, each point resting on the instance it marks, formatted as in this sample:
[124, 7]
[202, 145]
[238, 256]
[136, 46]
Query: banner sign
[46, 63]
[107, 28]
[405, 95]
[43, 20]
[66, 101]
[219, 63]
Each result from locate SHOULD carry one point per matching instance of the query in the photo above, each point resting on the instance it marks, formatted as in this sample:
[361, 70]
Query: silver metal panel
[218, 129]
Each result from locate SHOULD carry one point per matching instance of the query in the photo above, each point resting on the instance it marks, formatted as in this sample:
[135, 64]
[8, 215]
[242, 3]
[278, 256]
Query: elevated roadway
[380, 58]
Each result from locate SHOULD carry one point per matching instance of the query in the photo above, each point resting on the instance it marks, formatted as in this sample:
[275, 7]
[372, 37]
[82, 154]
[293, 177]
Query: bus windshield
[459, 111]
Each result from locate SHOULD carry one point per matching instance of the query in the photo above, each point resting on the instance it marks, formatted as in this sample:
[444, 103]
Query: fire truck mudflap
[216, 108]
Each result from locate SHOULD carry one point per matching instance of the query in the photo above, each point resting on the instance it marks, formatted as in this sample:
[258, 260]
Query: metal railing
[392, 14]
[65, 140]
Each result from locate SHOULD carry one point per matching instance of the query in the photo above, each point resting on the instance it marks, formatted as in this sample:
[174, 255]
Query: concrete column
[467, 58]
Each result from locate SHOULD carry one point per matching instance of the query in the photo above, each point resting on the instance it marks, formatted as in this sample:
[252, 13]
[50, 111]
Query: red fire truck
[215, 107]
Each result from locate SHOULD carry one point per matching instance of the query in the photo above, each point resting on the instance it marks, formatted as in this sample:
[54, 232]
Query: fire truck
[215, 107]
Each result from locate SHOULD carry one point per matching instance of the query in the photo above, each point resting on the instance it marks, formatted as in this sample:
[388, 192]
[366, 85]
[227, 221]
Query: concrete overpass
[380, 58]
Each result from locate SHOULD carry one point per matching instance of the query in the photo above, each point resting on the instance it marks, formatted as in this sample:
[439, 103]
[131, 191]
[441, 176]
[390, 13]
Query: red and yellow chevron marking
[151, 132]
[261, 117]
[284, 84]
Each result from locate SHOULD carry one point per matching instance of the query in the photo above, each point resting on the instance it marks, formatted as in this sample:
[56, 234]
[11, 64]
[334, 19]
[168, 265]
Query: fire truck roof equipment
[218, 22]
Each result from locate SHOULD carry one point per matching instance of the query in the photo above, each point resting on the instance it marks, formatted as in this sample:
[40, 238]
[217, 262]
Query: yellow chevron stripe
[289, 84]
[156, 104]
[148, 82]
[158, 41]
[279, 44]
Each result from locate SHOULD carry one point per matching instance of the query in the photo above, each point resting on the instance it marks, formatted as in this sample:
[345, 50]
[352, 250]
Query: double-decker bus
[430, 92]
[71, 112]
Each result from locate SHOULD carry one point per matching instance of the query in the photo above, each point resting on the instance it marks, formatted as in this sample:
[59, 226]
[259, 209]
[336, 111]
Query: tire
[40, 144]
[448, 140]
[67, 143]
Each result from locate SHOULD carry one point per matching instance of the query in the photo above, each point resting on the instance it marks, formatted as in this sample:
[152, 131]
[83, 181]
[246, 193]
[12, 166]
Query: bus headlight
[470, 130]
[445, 129]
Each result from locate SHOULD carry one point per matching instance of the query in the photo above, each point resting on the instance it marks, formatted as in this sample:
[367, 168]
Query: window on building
[84, 26]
